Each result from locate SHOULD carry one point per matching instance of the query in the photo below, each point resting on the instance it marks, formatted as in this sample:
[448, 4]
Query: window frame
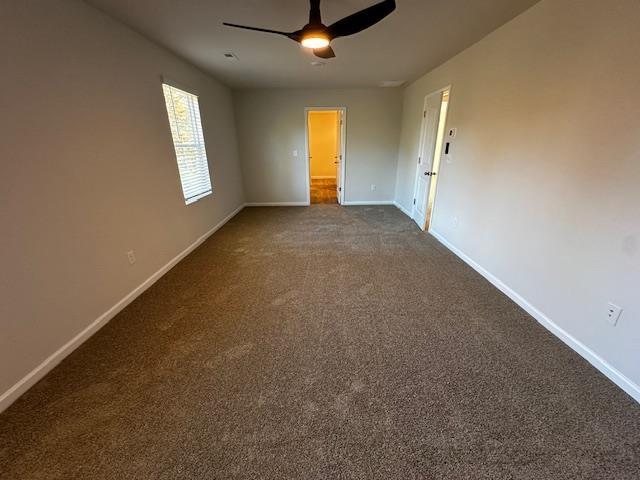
[198, 124]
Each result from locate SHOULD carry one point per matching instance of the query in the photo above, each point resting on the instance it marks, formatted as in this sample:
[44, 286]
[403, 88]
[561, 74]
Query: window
[188, 141]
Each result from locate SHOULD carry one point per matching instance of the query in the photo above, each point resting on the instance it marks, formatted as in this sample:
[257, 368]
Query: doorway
[434, 121]
[325, 147]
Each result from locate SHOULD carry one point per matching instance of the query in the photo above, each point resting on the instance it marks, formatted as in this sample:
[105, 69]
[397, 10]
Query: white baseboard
[277, 204]
[593, 358]
[368, 202]
[403, 210]
[323, 177]
[11, 395]
[306, 204]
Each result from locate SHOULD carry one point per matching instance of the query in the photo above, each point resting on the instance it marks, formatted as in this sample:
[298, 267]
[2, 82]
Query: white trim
[305, 204]
[343, 150]
[277, 204]
[323, 177]
[369, 202]
[342, 195]
[200, 196]
[593, 358]
[11, 395]
[403, 210]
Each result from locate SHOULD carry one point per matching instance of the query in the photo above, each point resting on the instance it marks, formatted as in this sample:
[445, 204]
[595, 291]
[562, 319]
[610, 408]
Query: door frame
[423, 127]
[343, 149]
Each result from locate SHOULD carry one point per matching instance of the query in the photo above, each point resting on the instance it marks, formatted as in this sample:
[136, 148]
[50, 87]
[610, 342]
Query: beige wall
[543, 181]
[88, 172]
[271, 126]
[323, 143]
[545, 174]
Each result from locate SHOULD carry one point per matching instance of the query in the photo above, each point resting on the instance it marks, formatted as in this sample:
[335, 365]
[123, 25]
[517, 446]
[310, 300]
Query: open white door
[338, 161]
[427, 151]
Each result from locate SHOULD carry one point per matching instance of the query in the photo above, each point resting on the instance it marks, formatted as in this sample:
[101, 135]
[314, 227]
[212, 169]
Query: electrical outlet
[455, 222]
[613, 313]
[295, 153]
[373, 187]
[131, 256]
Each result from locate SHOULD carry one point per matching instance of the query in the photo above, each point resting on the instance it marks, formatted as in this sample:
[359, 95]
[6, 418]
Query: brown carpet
[322, 342]
[323, 191]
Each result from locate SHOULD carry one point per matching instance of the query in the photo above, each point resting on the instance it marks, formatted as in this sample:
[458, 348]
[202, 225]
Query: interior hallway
[322, 343]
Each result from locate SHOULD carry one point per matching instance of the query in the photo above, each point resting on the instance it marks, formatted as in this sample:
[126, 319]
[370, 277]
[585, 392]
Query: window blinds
[188, 141]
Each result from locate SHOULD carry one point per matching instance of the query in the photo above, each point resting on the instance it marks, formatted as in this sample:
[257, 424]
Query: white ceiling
[418, 36]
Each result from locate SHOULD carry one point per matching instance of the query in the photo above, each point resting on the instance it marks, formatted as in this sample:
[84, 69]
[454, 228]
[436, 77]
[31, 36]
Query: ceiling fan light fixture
[315, 41]
[317, 37]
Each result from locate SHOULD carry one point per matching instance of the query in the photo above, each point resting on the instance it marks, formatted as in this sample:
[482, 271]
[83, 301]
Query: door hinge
[339, 189]
[424, 114]
[414, 201]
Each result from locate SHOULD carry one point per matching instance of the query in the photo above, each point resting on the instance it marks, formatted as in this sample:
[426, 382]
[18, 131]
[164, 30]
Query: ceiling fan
[317, 36]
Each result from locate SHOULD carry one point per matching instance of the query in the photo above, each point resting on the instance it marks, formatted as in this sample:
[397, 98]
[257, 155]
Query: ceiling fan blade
[256, 29]
[361, 20]
[326, 52]
[314, 12]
